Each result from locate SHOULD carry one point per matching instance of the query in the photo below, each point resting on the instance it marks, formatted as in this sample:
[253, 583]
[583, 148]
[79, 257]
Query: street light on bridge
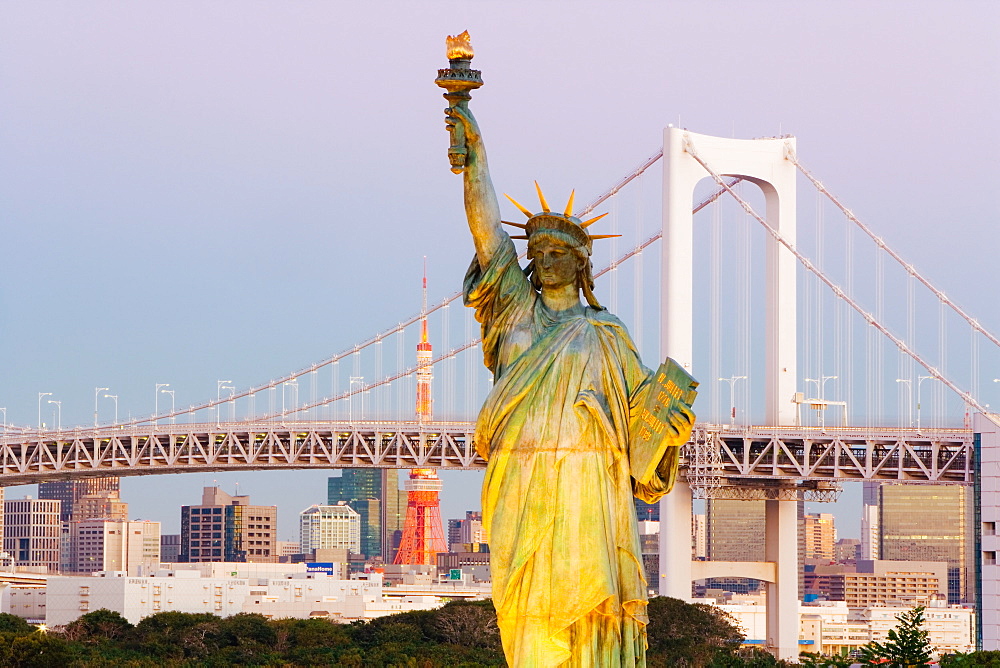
[173, 418]
[97, 391]
[115, 397]
[58, 413]
[220, 385]
[732, 396]
[820, 385]
[40, 395]
[156, 399]
[920, 381]
[909, 398]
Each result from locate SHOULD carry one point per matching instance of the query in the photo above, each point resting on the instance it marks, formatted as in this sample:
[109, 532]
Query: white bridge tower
[688, 157]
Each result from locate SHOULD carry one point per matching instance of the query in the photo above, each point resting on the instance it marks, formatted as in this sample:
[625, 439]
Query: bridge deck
[716, 456]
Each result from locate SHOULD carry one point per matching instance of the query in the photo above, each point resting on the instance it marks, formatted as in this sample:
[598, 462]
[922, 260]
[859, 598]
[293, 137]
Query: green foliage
[746, 657]
[907, 645]
[37, 650]
[98, 626]
[971, 660]
[461, 634]
[810, 660]
[14, 624]
[177, 635]
[685, 634]
[468, 623]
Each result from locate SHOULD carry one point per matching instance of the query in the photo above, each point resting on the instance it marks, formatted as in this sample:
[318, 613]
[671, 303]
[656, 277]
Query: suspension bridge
[747, 289]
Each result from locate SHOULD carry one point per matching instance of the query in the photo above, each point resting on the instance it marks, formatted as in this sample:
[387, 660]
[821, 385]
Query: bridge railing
[717, 457]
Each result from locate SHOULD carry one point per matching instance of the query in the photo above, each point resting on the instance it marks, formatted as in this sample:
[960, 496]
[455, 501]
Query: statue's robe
[565, 559]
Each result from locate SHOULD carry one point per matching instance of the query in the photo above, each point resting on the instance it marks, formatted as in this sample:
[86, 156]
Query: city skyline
[176, 196]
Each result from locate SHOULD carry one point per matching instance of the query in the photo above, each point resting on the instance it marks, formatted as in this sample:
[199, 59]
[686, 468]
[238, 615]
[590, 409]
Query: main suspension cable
[869, 318]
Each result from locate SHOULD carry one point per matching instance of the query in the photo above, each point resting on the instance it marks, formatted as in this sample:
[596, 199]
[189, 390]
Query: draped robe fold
[566, 565]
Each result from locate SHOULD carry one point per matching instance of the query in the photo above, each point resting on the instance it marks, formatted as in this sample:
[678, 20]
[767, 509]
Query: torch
[458, 79]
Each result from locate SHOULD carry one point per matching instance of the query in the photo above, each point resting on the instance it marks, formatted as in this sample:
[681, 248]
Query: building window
[989, 558]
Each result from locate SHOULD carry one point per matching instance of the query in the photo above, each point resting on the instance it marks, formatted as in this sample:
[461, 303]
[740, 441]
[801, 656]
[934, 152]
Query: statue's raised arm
[466, 152]
[574, 427]
[481, 206]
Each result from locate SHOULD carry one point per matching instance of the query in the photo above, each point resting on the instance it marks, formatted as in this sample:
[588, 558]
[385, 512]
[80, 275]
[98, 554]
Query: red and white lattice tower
[424, 408]
[423, 534]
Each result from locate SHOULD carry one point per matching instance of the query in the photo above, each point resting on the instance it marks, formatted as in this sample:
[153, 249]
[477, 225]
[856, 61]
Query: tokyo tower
[423, 535]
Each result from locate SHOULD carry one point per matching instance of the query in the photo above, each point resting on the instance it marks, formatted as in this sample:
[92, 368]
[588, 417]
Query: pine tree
[907, 645]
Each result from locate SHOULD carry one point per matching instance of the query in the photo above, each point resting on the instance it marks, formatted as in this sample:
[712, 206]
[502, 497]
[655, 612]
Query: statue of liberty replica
[572, 417]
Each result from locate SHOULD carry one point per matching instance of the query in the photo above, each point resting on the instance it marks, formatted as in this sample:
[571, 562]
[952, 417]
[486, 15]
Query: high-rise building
[847, 549]
[70, 492]
[228, 528]
[115, 545]
[287, 548]
[329, 528]
[375, 495]
[931, 523]
[649, 512]
[734, 531]
[870, 532]
[820, 536]
[32, 532]
[699, 538]
[99, 507]
[468, 530]
[90, 498]
[170, 548]
[868, 583]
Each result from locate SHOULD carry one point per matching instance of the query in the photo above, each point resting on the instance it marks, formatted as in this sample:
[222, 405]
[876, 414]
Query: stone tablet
[672, 386]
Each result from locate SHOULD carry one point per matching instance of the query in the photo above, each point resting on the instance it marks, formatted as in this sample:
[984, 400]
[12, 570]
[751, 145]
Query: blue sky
[232, 190]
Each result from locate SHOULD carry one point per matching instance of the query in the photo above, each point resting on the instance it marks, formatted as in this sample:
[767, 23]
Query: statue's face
[555, 265]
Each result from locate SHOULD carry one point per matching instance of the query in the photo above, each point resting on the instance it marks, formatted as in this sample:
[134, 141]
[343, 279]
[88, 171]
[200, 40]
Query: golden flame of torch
[459, 46]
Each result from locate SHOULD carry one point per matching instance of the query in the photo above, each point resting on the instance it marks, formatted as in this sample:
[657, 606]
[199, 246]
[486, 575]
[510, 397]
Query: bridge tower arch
[764, 163]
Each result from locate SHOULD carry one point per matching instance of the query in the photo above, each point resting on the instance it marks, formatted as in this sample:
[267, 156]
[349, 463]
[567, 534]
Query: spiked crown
[564, 222]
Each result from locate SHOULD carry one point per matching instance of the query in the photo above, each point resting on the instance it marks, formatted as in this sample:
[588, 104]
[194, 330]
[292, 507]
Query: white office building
[297, 595]
[830, 627]
[329, 528]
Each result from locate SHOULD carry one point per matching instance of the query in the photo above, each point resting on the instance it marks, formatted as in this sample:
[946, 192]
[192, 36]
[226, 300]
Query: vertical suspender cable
[746, 244]
[614, 254]
[907, 370]
[469, 380]
[448, 367]
[377, 411]
[637, 333]
[974, 361]
[400, 365]
[314, 392]
[943, 366]
[716, 325]
[848, 318]
[877, 379]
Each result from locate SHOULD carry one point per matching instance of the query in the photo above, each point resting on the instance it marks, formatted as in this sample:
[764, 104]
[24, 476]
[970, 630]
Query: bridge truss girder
[719, 461]
[794, 463]
[192, 448]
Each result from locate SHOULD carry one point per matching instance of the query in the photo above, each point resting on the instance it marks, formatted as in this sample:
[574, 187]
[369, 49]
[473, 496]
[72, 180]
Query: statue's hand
[680, 423]
[462, 117]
